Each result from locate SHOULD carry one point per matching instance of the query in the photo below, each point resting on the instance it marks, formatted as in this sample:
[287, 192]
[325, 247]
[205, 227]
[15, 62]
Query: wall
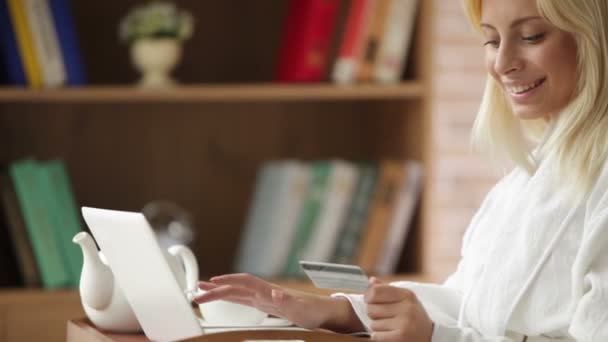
[461, 179]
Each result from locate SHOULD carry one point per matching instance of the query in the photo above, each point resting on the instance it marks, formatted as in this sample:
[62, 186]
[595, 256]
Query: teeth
[523, 88]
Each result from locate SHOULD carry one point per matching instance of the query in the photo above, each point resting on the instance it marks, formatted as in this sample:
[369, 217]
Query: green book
[308, 216]
[39, 224]
[64, 214]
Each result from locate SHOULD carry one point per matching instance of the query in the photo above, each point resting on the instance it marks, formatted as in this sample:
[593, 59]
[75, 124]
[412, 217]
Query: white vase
[155, 58]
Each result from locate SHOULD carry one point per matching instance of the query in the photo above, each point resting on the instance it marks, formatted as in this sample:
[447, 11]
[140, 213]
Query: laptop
[137, 261]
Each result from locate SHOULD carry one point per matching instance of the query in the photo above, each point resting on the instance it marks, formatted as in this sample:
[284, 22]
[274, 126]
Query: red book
[345, 67]
[305, 45]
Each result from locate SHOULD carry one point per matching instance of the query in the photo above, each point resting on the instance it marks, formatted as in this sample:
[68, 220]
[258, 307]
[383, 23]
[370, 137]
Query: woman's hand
[396, 314]
[303, 309]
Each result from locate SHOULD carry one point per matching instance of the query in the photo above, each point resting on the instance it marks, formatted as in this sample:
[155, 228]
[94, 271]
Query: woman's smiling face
[533, 61]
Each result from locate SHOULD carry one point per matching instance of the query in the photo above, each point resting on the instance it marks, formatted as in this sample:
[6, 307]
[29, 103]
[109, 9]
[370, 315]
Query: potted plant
[155, 32]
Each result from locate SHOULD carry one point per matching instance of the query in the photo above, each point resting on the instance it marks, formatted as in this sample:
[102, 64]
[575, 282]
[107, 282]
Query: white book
[292, 190]
[337, 198]
[44, 35]
[257, 221]
[401, 219]
[272, 219]
[394, 47]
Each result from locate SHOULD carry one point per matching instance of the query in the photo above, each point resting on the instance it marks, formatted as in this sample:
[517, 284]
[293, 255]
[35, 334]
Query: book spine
[68, 42]
[305, 44]
[44, 37]
[373, 40]
[345, 66]
[309, 217]
[251, 250]
[13, 67]
[350, 233]
[27, 50]
[394, 50]
[290, 201]
[339, 193]
[401, 219]
[64, 213]
[376, 230]
[37, 219]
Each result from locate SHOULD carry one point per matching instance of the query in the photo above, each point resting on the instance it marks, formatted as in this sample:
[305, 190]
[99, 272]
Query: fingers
[226, 292]
[381, 311]
[374, 281]
[205, 285]
[384, 294]
[243, 279]
[391, 335]
[386, 324]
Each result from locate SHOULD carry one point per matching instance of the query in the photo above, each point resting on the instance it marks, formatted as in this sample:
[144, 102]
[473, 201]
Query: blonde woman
[534, 261]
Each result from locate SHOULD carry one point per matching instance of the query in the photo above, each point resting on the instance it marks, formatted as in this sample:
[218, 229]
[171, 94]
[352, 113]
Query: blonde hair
[579, 139]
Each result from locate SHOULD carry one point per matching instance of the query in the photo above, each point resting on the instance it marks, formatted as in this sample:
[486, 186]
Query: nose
[507, 60]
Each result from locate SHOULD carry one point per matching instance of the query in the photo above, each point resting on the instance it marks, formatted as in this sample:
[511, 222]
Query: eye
[492, 43]
[534, 38]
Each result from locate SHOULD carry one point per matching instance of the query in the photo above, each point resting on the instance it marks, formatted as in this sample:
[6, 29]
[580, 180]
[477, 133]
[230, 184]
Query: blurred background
[263, 132]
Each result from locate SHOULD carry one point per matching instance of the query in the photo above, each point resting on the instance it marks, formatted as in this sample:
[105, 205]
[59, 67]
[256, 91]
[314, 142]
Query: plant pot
[155, 58]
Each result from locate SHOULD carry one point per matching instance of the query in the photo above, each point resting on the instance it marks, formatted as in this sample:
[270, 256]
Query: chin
[528, 113]
[528, 116]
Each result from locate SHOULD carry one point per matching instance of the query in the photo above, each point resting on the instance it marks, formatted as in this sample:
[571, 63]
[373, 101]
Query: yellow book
[25, 42]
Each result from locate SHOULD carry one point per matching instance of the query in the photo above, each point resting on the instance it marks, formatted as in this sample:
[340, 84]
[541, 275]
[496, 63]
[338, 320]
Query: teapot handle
[188, 259]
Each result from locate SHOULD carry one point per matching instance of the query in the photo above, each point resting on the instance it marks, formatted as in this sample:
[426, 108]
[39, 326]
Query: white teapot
[102, 299]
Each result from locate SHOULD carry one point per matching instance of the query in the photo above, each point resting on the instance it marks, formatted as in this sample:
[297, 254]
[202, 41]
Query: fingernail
[276, 294]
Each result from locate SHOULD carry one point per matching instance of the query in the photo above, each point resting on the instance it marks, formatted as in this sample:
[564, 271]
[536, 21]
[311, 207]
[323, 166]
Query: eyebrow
[514, 23]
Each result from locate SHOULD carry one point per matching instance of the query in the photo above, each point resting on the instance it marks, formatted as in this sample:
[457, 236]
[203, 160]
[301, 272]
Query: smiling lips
[524, 88]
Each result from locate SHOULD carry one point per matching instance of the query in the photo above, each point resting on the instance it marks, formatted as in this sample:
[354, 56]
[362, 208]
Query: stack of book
[371, 40]
[39, 218]
[329, 211]
[38, 44]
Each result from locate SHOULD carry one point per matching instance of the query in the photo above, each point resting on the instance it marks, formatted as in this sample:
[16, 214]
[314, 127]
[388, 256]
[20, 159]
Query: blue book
[68, 41]
[12, 70]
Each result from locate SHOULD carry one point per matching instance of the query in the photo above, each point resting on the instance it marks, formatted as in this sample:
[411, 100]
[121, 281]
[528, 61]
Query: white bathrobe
[534, 263]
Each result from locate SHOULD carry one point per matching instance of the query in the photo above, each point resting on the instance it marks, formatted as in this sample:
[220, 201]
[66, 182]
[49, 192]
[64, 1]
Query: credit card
[335, 276]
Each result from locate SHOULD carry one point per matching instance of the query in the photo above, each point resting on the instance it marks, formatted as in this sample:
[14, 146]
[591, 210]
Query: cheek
[490, 62]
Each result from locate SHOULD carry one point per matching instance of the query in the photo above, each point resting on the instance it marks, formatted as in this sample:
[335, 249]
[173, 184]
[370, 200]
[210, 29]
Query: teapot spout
[96, 278]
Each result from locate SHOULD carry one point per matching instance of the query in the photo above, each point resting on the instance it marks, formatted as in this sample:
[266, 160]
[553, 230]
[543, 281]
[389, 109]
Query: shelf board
[266, 92]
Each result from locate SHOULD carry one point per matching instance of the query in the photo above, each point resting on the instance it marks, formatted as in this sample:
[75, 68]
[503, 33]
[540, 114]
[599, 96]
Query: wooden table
[81, 330]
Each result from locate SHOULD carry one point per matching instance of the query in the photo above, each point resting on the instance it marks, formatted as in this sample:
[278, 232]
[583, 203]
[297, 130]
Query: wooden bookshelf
[270, 92]
[201, 143]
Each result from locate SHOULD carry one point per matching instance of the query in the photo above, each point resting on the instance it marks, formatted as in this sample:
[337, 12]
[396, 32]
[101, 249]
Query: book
[65, 216]
[309, 215]
[305, 43]
[373, 40]
[24, 254]
[401, 220]
[68, 42]
[382, 207]
[394, 48]
[12, 67]
[272, 220]
[346, 63]
[293, 184]
[44, 36]
[257, 221]
[337, 197]
[25, 42]
[352, 226]
[25, 177]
